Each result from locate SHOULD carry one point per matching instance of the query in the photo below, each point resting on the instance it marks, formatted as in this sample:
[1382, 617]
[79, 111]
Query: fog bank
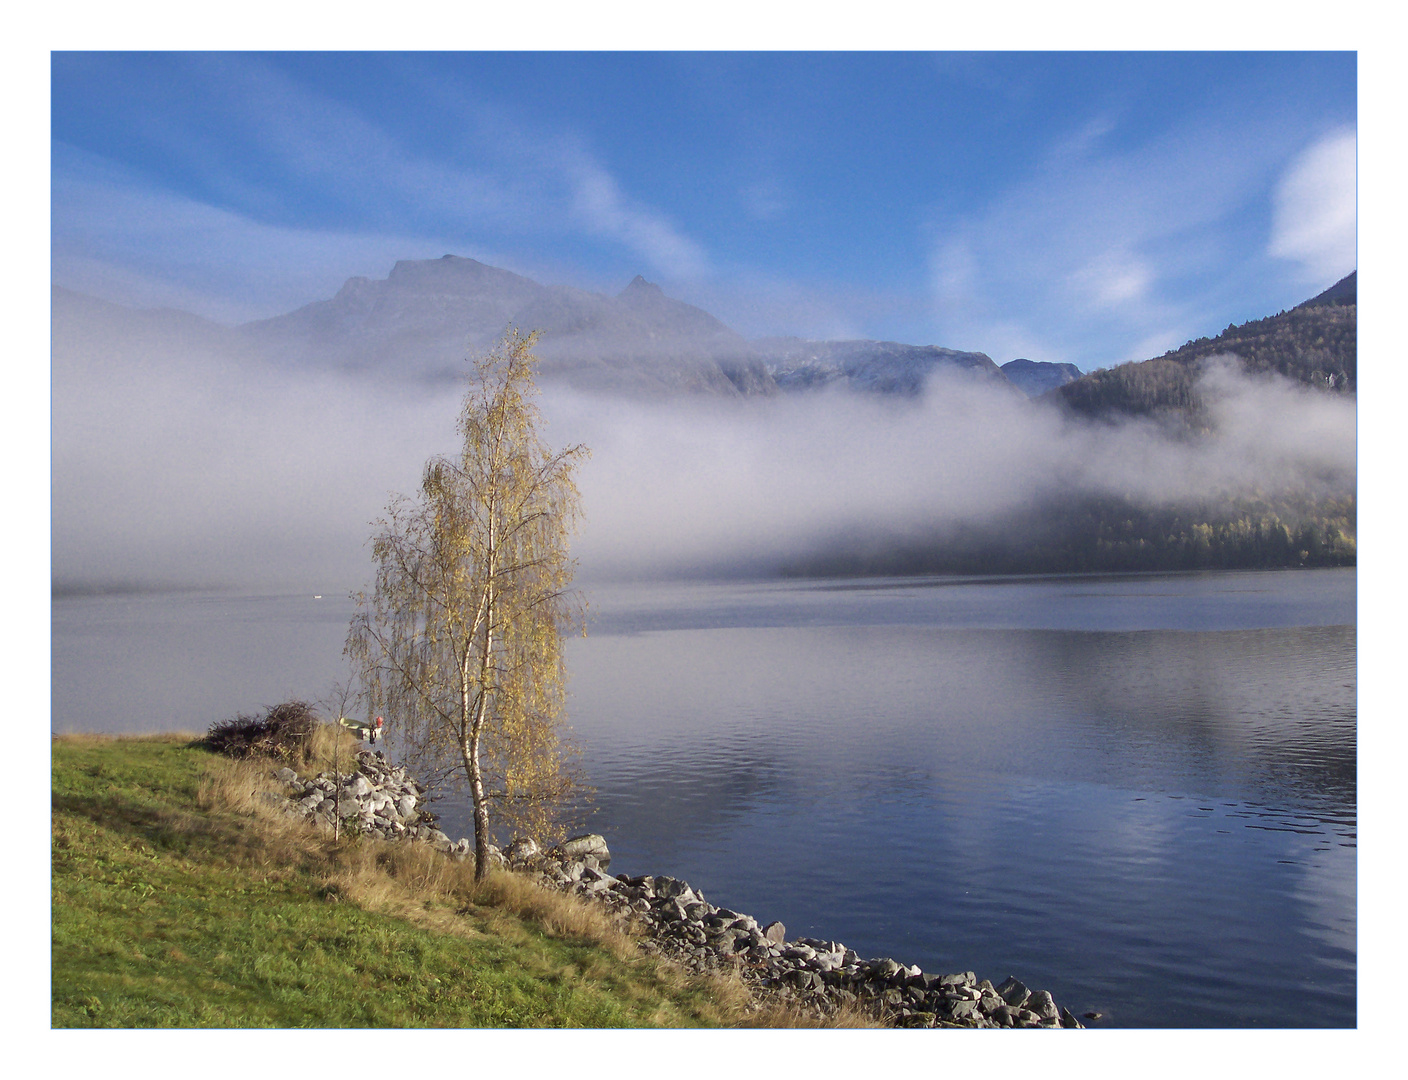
[180, 468]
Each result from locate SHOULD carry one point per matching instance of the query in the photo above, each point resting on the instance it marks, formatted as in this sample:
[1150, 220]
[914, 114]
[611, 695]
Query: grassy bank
[181, 899]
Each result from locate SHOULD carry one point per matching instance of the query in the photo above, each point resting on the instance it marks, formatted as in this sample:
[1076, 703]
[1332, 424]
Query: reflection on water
[1138, 793]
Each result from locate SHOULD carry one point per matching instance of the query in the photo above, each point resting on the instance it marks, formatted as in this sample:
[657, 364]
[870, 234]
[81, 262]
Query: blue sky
[1090, 208]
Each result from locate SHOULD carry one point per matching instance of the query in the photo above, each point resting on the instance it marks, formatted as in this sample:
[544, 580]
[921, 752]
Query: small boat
[366, 732]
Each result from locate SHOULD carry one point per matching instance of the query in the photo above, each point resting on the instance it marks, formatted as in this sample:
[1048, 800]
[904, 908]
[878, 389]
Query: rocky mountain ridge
[1036, 377]
[427, 315]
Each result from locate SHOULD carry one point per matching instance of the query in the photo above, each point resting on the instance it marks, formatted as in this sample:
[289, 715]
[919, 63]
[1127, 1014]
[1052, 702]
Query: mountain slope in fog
[1036, 377]
[427, 314]
[1315, 343]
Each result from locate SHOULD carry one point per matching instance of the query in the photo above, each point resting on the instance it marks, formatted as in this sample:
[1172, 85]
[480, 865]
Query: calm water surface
[1136, 792]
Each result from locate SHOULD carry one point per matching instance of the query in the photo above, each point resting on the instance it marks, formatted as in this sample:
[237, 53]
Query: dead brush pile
[292, 733]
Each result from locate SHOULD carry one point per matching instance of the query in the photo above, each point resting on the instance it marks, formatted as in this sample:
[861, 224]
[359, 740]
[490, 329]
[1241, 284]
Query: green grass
[171, 909]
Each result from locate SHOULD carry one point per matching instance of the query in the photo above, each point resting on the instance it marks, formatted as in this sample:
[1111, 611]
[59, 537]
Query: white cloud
[175, 465]
[1116, 277]
[1316, 209]
[599, 204]
[1098, 242]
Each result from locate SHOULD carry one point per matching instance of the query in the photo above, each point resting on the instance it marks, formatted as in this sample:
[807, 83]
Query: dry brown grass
[744, 1009]
[327, 744]
[393, 875]
[419, 884]
[79, 740]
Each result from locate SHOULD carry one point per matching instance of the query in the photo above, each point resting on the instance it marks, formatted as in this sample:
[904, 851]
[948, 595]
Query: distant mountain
[426, 315]
[1313, 343]
[82, 324]
[1036, 377]
[885, 367]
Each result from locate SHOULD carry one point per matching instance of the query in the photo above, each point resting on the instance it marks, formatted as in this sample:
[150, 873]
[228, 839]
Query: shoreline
[674, 920]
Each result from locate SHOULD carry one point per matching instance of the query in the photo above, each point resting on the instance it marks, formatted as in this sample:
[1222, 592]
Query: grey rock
[1013, 991]
[586, 844]
[668, 888]
[356, 787]
[962, 1010]
[1003, 1015]
[1042, 1004]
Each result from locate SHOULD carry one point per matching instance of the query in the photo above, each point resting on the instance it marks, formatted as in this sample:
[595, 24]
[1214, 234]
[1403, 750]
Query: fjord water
[1137, 792]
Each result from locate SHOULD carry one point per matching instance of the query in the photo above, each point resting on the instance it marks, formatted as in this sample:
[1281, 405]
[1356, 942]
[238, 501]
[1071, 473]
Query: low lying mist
[181, 469]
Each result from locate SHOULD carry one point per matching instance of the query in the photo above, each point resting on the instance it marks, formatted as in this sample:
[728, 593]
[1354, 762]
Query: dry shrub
[282, 733]
[776, 1014]
[240, 786]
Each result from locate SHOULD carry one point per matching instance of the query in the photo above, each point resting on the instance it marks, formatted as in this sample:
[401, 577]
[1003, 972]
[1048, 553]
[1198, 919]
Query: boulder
[575, 847]
[356, 787]
[1012, 991]
[667, 888]
[1042, 1004]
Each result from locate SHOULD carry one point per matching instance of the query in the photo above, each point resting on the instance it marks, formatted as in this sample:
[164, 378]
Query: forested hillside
[1088, 535]
[1314, 343]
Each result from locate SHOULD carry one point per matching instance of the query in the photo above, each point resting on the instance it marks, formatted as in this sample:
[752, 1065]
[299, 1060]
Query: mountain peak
[640, 287]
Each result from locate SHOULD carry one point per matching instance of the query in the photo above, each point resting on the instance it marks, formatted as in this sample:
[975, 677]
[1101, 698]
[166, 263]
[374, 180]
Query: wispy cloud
[1317, 209]
[599, 205]
[117, 237]
[1096, 244]
[302, 191]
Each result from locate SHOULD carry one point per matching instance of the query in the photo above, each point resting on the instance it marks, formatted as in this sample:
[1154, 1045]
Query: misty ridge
[187, 454]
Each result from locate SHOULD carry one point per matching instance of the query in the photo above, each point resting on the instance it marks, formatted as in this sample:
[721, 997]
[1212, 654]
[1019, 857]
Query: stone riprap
[378, 800]
[679, 923]
[675, 920]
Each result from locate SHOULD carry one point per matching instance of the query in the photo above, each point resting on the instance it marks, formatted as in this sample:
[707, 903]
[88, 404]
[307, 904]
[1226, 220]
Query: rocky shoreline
[383, 801]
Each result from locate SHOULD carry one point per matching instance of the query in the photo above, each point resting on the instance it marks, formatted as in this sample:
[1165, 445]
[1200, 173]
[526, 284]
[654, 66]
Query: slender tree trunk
[476, 774]
[481, 806]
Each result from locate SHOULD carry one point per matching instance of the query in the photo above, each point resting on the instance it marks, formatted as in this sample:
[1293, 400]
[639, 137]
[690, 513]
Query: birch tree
[460, 643]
